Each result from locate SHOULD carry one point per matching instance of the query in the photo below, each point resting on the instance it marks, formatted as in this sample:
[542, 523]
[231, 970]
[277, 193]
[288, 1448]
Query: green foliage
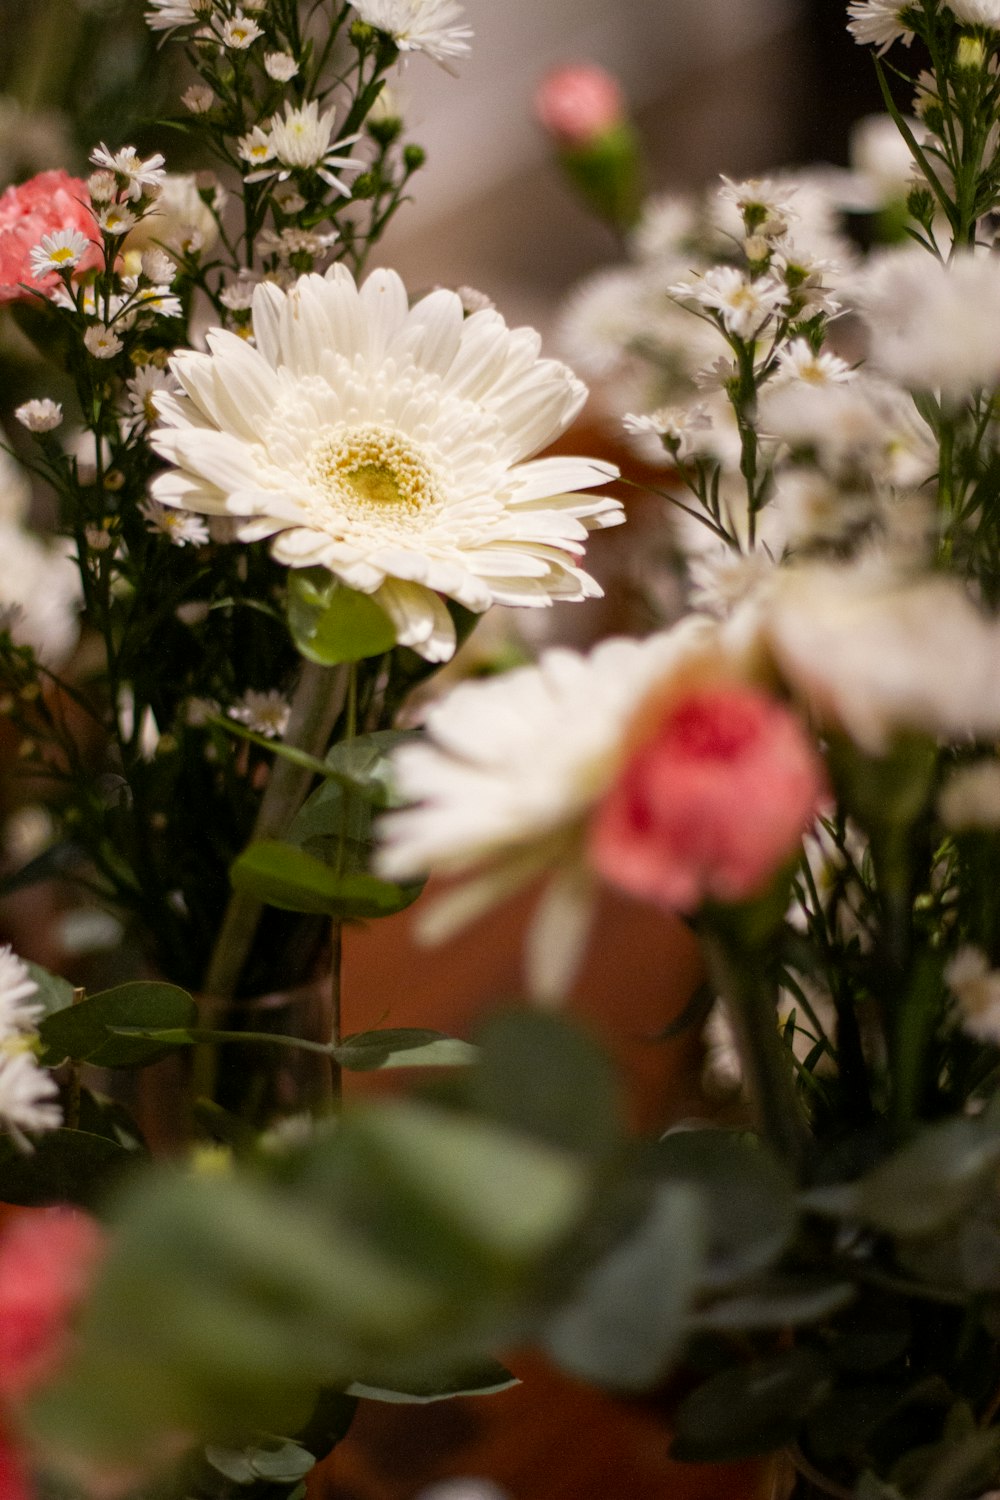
[285, 876]
[88, 1031]
[331, 624]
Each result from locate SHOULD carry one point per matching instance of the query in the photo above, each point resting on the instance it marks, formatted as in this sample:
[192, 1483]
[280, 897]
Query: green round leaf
[282, 875]
[330, 623]
[85, 1032]
[750, 1409]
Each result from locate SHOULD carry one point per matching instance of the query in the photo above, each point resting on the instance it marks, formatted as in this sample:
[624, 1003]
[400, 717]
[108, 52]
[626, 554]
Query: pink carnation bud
[578, 103]
[712, 803]
[46, 204]
[47, 1261]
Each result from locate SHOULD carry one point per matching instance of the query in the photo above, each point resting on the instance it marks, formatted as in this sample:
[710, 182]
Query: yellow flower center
[376, 473]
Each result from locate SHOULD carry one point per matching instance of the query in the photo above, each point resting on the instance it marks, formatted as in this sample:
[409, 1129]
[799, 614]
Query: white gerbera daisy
[431, 26]
[27, 1094]
[18, 1011]
[389, 445]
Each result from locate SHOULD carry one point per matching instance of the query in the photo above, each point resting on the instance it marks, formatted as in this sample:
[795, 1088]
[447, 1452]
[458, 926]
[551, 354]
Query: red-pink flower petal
[43, 205]
[47, 1261]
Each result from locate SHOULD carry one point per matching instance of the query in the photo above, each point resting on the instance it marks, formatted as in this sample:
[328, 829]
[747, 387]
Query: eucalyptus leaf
[331, 623]
[86, 1032]
[627, 1319]
[405, 1047]
[65, 1166]
[749, 1409]
[931, 1180]
[279, 874]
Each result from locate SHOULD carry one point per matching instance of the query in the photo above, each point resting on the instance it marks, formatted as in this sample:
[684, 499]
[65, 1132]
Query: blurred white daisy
[431, 26]
[264, 713]
[18, 1009]
[27, 1094]
[392, 446]
[878, 23]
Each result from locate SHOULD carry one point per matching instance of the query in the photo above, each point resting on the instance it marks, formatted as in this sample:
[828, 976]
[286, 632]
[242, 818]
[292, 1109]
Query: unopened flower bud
[970, 53]
[414, 157]
[578, 103]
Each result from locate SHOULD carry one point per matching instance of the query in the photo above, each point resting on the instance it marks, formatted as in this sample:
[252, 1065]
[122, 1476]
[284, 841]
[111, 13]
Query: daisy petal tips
[392, 445]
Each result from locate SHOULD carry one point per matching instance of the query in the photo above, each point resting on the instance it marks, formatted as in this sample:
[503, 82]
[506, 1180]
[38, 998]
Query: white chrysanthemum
[391, 445]
[667, 225]
[876, 655]
[976, 987]
[27, 1094]
[882, 166]
[679, 428]
[722, 578]
[878, 23]
[264, 713]
[18, 1009]
[977, 12]
[102, 342]
[934, 326]
[762, 206]
[743, 304]
[431, 26]
[844, 425]
[511, 765]
[970, 798]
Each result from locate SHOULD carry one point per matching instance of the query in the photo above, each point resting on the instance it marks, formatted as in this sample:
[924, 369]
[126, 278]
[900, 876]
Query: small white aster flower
[60, 251]
[976, 987]
[764, 208]
[181, 529]
[256, 147]
[115, 218]
[301, 141]
[141, 176]
[239, 32]
[18, 1010]
[238, 295]
[102, 342]
[199, 98]
[155, 299]
[264, 713]
[293, 241]
[797, 361]
[289, 199]
[27, 1094]
[676, 426]
[168, 14]
[40, 416]
[158, 266]
[722, 579]
[281, 66]
[431, 26]
[970, 798]
[743, 304]
[393, 446]
[102, 186]
[878, 23]
[142, 388]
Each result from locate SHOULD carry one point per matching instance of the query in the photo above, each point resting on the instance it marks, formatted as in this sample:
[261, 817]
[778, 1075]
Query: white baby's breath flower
[970, 798]
[431, 26]
[239, 32]
[743, 304]
[178, 527]
[27, 1094]
[139, 176]
[264, 713]
[19, 1010]
[40, 415]
[392, 446]
[797, 361]
[102, 342]
[60, 251]
[934, 326]
[878, 23]
[281, 66]
[976, 987]
[199, 98]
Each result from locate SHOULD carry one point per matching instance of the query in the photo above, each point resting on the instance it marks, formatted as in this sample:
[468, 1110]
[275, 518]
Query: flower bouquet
[284, 493]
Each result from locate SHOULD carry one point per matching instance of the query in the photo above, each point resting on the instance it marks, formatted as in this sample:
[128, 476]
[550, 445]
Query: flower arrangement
[285, 492]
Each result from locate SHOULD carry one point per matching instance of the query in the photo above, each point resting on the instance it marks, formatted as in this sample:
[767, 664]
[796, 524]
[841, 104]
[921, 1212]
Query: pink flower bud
[578, 103]
[47, 1261]
[712, 803]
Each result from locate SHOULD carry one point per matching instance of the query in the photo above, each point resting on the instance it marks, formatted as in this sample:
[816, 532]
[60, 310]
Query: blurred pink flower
[13, 1480]
[44, 205]
[578, 103]
[47, 1261]
[712, 803]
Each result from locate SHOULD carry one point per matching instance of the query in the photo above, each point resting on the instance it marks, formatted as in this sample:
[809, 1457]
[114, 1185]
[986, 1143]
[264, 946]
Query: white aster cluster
[391, 445]
[28, 1092]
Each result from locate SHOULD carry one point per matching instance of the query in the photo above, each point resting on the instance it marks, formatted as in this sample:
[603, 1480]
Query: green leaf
[749, 1198]
[543, 1076]
[282, 875]
[53, 993]
[923, 1186]
[66, 1166]
[627, 1320]
[86, 1032]
[405, 1047]
[331, 623]
[486, 1380]
[750, 1409]
[334, 825]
